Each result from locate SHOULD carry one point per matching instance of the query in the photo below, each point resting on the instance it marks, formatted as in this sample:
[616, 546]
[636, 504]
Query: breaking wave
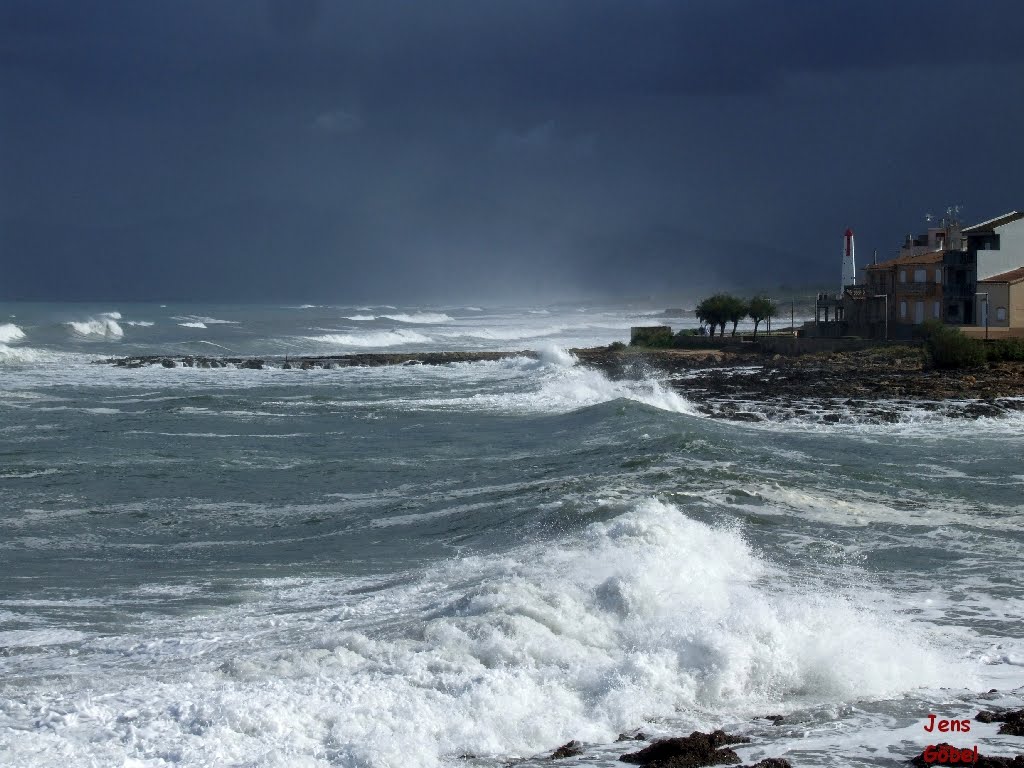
[414, 318]
[420, 317]
[183, 319]
[193, 324]
[9, 333]
[103, 326]
[22, 355]
[371, 339]
[508, 655]
[502, 334]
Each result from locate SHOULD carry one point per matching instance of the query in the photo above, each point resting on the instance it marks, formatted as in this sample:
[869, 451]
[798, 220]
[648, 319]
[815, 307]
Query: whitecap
[371, 339]
[420, 317]
[183, 319]
[102, 327]
[9, 333]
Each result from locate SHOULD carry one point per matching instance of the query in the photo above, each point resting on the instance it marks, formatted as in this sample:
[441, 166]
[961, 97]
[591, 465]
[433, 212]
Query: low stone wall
[790, 345]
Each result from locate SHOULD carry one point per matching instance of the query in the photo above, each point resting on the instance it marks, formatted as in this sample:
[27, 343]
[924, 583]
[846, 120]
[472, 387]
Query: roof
[1012, 276]
[998, 221]
[928, 257]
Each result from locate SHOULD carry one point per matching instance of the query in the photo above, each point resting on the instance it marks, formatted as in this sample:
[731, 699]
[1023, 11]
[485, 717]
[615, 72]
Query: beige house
[1004, 294]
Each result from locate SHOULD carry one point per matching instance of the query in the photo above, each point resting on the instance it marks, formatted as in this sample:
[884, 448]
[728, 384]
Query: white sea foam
[193, 324]
[499, 655]
[361, 318]
[202, 319]
[22, 638]
[420, 317]
[103, 326]
[370, 339]
[141, 323]
[553, 384]
[501, 334]
[10, 333]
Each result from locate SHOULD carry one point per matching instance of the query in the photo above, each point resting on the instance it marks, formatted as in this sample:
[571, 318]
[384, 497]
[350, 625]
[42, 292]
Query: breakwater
[374, 359]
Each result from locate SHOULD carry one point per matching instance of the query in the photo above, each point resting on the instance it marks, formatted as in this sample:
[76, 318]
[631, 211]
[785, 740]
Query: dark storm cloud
[405, 149]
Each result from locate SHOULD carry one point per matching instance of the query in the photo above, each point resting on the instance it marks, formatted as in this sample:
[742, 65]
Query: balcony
[919, 289]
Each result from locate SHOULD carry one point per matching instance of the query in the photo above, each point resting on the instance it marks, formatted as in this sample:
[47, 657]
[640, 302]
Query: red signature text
[944, 753]
[945, 726]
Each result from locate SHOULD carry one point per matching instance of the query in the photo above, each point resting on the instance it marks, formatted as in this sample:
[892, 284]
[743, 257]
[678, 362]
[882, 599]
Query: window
[903, 309]
[938, 275]
[1001, 314]
[920, 275]
[918, 312]
[903, 275]
[936, 310]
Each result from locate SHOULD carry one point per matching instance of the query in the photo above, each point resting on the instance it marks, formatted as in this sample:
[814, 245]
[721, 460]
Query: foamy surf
[554, 383]
[10, 333]
[498, 656]
[369, 339]
[103, 326]
[427, 318]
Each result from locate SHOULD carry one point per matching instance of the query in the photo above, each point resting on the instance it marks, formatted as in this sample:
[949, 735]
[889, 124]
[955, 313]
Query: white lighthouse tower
[849, 266]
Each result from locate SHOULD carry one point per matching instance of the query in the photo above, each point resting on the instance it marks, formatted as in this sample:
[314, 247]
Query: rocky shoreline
[881, 384]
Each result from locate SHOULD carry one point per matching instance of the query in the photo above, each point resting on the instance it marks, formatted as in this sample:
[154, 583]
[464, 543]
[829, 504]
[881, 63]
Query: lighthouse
[849, 267]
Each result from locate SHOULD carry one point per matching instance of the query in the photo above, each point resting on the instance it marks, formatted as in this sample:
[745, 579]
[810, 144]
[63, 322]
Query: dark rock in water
[638, 736]
[697, 749]
[286, 366]
[307, 366]
[571, 749]
[984, 761]
[776, 719]
[1012, 720]
[256, 365]
[771, 762]
[168, 363]
[744, 416]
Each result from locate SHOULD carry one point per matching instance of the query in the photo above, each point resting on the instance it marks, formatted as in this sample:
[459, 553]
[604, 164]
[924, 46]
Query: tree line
[715, 311]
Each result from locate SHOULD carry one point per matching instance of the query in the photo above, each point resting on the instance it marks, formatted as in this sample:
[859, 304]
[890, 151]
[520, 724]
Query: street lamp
[886, 297]
[985, 294]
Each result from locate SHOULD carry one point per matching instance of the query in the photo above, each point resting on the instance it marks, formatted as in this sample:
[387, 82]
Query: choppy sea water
[407, 566]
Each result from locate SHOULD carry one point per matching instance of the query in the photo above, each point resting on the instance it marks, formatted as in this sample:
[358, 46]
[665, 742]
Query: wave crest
[101, 327]
[419, 317]
[371, 339]
[9, 333]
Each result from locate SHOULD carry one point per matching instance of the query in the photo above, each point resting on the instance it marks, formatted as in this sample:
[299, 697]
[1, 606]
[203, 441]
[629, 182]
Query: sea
[475, 563]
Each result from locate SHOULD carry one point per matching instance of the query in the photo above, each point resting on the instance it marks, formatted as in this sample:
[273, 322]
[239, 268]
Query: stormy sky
[439, 149]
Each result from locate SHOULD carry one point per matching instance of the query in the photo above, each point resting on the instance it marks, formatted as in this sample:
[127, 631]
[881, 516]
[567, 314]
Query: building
[997, 245]
[950, 273]
[1002, 299]
[913, 286]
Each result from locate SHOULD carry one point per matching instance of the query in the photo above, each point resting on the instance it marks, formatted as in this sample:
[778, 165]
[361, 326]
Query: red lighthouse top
[849, 232]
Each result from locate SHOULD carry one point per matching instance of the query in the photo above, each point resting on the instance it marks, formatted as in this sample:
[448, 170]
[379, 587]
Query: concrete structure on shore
[962, 276]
